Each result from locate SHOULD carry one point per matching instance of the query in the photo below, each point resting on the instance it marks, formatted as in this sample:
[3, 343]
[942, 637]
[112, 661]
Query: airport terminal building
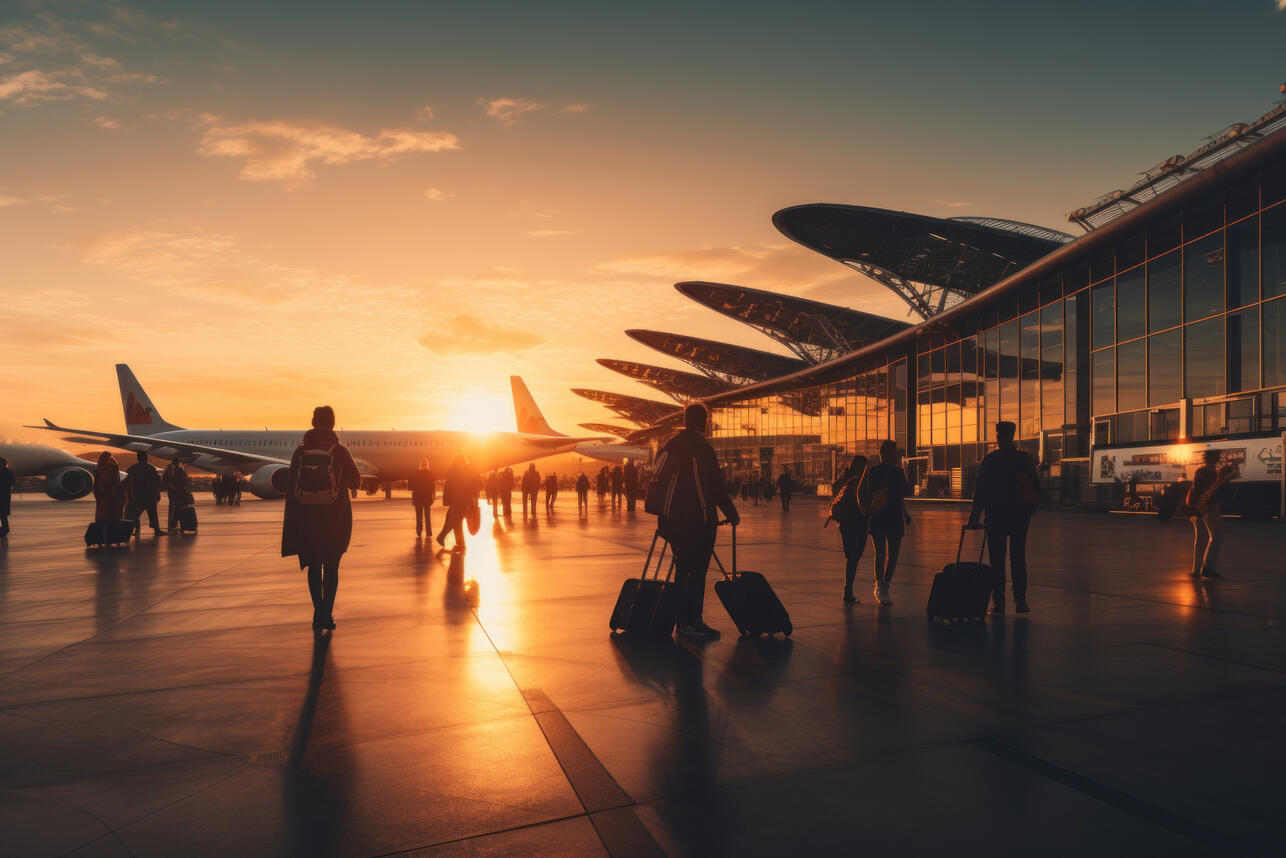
[1120, 354]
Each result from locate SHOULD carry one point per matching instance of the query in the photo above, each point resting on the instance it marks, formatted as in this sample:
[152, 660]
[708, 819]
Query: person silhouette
[530, 489]
[630, 477]
[882, 495]
[695, 495]
[582, 494]
[8, 482]
[175, 482]
[506, 491]
[784, 485]
[423, 491]
[551, 491]
[853, 524]
[1207, 526]
[460, 494]
[317, 524]
[1007, 490]
[108, 501]
[145, 493]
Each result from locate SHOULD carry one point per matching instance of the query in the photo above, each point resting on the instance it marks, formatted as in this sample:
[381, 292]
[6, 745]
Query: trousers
[1010, 533]
[323, 582]
[692, 549]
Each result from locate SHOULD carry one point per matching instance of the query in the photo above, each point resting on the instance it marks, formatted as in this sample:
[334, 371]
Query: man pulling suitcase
[687, 495]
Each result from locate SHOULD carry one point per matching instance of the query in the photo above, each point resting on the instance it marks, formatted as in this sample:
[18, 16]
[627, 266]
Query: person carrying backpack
[1008, 491]
[318, 521]
[686, 495]
[852, 521]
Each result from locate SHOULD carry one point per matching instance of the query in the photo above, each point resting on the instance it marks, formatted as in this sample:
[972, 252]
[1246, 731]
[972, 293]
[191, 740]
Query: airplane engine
[269, 482]
[69, 483]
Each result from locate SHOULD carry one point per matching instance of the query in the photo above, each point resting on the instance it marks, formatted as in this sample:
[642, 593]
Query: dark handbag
[473, 519]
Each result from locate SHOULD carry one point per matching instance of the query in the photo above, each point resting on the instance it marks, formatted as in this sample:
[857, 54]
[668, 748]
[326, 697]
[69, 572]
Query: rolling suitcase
[100, 533]
[750, 600]
[648, 607]
[187, 519]
[961, 590]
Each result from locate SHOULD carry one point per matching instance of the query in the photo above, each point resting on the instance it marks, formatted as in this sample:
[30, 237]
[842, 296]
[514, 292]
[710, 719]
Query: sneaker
[1020, 606]
[850, 598]
[699, 631]
[1207, 572]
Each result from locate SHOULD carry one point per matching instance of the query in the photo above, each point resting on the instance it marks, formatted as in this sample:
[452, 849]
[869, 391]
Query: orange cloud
[285, 150]
[466, 334]
[508, 110]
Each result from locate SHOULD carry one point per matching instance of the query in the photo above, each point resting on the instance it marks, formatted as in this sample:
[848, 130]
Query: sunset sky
[391, 207]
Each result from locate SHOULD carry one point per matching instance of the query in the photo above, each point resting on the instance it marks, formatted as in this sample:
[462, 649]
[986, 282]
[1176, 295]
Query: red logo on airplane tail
[135, 413]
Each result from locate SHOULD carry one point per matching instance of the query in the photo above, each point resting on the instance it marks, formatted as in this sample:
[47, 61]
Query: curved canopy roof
[632, 408]
[608, 429]
[683, 386]
[931, 263]
[728, 363]
[811, 329]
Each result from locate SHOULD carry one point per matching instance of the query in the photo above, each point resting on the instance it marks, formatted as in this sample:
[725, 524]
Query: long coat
[107, 492]
[319, 531]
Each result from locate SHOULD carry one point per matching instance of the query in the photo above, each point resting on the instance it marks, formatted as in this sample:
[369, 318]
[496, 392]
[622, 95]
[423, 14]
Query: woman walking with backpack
[318, 521]
[852, 521]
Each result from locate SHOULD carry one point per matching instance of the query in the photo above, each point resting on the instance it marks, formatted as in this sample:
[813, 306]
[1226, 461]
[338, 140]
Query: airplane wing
[550, 442]
[185, 450]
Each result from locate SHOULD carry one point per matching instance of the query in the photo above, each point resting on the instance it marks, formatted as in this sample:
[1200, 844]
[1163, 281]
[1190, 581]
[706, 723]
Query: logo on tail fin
[135, 413]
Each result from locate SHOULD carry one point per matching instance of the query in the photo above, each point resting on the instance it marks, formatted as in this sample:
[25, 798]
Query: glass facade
[1177, 331]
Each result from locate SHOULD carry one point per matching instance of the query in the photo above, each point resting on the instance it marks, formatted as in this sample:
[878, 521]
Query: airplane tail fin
[527, 414]
[141, 417]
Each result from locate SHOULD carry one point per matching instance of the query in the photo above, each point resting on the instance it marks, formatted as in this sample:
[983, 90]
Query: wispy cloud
[425, 113]
[508, 110]
[53, 202]
[51, 58]
[106, 122]
[581, 107]
[550, 233]
[952, 204]
[286, 150]
[437, 195]
[467, 334]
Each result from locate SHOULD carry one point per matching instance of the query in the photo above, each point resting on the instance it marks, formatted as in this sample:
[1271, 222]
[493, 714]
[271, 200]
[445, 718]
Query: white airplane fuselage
[388, 456]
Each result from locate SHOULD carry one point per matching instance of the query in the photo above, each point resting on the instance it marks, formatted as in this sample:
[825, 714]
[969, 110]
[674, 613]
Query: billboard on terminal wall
[1259, 459]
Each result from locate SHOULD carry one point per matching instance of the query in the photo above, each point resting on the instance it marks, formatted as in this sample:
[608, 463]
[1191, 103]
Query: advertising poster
[1259, 459]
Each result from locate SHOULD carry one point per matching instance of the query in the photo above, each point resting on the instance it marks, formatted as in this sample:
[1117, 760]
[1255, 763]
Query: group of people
[870, 500]
[138, 493]
[755, 488]
[620, 483]
[227, 488]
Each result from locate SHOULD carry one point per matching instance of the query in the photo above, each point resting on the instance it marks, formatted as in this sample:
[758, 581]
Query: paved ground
[170, 699]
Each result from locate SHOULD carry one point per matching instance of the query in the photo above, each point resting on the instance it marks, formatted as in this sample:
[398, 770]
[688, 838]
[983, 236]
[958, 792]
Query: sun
[481, 412]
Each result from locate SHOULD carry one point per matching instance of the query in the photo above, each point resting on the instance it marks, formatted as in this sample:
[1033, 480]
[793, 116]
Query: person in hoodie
[318, 521]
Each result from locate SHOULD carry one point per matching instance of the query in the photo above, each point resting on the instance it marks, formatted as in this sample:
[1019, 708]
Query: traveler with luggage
[8, 482]
[1203, 503]
[530, 489]
[686, 494]
[882, 495]
[1007, 491]
[174, 479]
[460, 494]
[784, 485]
[853, 524]
[108, 501]
[506, 492]
[582, 494]
[145, 494]
[423, 490]
[318, 521]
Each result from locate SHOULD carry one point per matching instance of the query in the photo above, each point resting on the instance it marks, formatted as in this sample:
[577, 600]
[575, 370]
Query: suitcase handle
[715, 554]
[981, 548]
[647, 564]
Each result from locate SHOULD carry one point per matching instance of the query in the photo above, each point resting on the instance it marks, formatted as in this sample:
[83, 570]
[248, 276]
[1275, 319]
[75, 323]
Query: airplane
[66, 477]
[384, 456]
[616, 453]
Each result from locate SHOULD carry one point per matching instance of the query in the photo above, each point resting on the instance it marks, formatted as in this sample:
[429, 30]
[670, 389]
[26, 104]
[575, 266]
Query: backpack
[318, 481]
[661, 491]
[844, 503]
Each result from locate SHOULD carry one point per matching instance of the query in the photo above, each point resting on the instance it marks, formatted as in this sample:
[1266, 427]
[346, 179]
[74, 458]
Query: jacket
[461, 487]
[695, 492]
[423, 487]
[319, 531]
[997, 488]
